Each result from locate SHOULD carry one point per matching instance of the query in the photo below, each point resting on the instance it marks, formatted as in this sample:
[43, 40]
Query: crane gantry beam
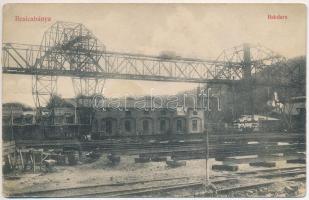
[21, 59]
[70, 49]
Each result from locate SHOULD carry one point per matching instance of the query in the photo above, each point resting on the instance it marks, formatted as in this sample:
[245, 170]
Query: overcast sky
[189, 30]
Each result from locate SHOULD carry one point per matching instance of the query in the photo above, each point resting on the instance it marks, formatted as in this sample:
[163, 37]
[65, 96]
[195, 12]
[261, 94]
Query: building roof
[258, 117]
[130, 102]
[16, 109]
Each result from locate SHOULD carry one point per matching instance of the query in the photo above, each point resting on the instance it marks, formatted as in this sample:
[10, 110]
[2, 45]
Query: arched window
[127, 126]
[162, 125]
[179, 125]
[109, 126]
[194, 125]
[103, 125]
[95, 125]
[146, 125]
[128, 113]
[163, 112]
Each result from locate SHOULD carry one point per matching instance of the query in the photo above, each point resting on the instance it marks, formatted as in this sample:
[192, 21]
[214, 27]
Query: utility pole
[75, 114]
[206, 158]
[248, 89]
[233, 106]
[12, 121]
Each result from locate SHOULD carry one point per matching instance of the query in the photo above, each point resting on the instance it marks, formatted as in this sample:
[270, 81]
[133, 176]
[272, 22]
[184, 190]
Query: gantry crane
[70, 49]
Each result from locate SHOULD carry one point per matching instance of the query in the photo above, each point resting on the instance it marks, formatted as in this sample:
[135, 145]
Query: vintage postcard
[154, 100]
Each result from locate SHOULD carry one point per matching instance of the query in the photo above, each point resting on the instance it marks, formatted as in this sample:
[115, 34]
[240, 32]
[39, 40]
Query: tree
[57, 101]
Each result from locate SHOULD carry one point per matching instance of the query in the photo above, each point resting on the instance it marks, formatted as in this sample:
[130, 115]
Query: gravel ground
[101, 172]
[277, 190]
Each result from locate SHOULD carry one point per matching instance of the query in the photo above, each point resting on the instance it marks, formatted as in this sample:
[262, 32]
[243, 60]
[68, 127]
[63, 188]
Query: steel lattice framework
[70, 49]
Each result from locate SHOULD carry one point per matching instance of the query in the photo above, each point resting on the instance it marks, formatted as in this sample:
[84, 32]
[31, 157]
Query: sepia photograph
[153, 100]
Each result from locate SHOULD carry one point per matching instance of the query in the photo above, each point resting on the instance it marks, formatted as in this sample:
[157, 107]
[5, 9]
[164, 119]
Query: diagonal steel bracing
[70, 49]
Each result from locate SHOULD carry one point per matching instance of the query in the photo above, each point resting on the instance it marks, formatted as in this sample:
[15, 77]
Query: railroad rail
[219, 145]
[150, 187]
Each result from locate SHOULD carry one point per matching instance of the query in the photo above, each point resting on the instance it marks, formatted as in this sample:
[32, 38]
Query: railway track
[151, 188]
[226, 184]
[95, 189]
[137, 140]
[220, 146]
[224, 149]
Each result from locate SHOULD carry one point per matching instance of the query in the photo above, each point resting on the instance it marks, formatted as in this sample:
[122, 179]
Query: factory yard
[102, 172]
[167, 125]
